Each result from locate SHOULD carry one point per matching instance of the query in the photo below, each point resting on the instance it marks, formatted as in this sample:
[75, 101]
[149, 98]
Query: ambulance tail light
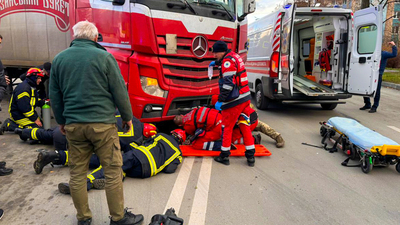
[274, 67]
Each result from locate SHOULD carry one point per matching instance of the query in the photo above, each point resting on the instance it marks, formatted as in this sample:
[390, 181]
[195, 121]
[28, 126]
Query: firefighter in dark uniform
[23, 103]
[54, 136]
[234, 99]
[160, 153]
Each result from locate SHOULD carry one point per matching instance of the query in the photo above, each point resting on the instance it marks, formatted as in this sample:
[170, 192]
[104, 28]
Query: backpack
[324, 60]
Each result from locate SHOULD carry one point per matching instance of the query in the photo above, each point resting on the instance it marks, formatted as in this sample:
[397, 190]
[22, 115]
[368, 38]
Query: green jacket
[86, 85]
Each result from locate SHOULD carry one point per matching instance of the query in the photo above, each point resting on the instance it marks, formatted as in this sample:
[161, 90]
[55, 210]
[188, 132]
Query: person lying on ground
[159, 153]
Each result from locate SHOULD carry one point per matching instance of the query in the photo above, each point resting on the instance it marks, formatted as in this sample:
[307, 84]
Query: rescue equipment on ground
[188, 150]
[46, 114]
[169, 218]
[359, 143]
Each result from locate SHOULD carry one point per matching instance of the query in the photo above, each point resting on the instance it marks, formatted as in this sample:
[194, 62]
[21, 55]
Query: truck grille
[184, 69]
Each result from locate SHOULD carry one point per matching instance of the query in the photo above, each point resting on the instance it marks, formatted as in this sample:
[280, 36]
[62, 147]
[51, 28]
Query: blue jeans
[377, 97]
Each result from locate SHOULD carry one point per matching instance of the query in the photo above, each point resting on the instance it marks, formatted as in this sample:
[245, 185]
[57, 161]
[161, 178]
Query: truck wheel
[366, 165]
[398, 167]
[262, 102]
[328, 106]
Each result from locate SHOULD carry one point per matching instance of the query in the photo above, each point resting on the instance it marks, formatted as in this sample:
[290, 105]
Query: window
[366, 41]
[306, 48]
[395, 30]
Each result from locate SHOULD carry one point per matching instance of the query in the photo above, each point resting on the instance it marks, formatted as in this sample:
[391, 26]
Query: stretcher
[188, 150]
[359, 142]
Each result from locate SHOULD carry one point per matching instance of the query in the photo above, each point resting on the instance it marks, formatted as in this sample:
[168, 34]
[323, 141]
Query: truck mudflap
[311, 88]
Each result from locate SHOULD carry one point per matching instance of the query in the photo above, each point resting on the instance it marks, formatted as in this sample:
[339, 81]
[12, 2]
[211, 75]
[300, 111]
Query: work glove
[218, 105]
[212, 64]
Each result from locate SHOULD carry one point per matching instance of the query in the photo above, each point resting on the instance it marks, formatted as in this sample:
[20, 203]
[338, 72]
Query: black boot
[223, 160]
[44, 158]
[5, 171]
[21, 134]
[365, 107]
[2, 164]
[129, 219]
[85, 222]
[64, 188]
[251, 161]
[257, 139]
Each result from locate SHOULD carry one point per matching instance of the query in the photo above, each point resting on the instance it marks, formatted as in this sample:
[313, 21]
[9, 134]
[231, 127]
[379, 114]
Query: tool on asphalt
[359, 142]
[46, 114]
[188, 150]
[169, 218]
[316, 146]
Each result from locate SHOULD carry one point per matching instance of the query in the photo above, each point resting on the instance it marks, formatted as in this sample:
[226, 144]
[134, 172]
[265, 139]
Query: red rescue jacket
[201, 118]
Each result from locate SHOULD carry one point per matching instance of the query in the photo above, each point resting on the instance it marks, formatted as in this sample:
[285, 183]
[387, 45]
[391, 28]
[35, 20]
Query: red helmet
[34, 72]
[180, 134]
[149, 130]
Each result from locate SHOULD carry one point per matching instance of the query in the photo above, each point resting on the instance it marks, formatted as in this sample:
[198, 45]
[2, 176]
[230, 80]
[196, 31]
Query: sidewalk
[391, 85]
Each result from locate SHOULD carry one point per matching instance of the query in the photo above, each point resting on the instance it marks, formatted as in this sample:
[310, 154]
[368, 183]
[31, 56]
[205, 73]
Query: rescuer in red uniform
[234, 99]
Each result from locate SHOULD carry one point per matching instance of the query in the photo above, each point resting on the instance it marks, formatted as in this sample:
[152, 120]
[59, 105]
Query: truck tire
[328, 106]
[398, 167]
[262, 102]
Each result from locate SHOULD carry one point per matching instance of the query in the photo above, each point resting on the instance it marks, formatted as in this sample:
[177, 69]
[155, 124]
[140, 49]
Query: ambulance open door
[365, 52]
[286, 61]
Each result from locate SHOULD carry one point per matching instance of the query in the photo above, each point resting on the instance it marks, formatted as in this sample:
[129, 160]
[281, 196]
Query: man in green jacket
[85, 88]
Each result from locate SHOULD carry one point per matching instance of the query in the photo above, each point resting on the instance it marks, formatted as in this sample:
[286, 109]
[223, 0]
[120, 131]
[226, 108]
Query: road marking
[175, 199]
[199, 208]
[394, 128]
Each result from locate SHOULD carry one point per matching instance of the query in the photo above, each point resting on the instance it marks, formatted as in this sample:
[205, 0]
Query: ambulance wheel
[262, 102]
[398, 167]
[366, 165]
[328, 106]
[322, 131]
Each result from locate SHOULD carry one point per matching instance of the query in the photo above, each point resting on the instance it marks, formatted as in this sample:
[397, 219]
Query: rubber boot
[45, 157]
[223, 157]
[250, 157]
[5, 171]
[279, 141]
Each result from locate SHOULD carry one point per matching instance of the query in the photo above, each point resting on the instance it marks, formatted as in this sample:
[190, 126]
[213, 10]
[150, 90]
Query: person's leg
[45, 157]
[79, 152]
[378, 93]
[107, 148]
[269, 131]
[248, 139]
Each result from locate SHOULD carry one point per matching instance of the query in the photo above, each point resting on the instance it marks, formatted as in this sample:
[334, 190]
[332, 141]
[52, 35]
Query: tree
[364, 4]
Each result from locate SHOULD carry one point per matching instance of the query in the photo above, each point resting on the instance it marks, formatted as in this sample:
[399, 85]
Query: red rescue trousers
[230, 117]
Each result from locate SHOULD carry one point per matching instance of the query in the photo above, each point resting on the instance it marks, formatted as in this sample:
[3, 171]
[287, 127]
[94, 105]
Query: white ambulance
[314, 55]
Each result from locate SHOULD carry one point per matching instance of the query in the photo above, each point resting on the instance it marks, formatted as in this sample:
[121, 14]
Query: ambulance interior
[320, 50]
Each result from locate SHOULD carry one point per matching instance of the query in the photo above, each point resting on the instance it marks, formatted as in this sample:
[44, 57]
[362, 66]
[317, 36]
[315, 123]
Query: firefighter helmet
[34, 72]
[180, 134]
[149, 130]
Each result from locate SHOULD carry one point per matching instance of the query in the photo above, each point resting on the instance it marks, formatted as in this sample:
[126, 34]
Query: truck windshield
[219, 9]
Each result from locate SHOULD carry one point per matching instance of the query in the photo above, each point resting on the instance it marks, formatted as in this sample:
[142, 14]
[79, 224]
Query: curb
[391, 85]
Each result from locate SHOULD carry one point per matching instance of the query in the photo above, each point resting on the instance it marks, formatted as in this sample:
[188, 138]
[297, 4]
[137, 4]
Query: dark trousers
[39, 134]
[377, 97]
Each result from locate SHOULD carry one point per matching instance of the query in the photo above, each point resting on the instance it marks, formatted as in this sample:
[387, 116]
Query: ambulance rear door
[286, 51]
[365, 53]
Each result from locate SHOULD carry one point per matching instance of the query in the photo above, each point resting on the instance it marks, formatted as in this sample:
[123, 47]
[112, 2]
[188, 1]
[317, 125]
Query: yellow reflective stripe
[129, 134]
[91, 177]
[123, 173]
[172, 158]
[23, 94]
[66, 160]
[149, 156]
[23, 122]
[33, 133]
[117, 115]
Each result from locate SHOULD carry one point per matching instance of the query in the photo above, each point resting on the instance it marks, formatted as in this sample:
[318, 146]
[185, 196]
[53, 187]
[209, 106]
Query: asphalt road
[296, 185]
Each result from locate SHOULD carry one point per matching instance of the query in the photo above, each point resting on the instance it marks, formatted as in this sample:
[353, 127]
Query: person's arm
[394, 52]
[118, 89]
[228, 70]
[56, 97]
[388, 55]
[25, 107]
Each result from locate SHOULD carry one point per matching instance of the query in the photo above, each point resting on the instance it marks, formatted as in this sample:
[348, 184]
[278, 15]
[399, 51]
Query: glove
[212, 64]
[218, 105]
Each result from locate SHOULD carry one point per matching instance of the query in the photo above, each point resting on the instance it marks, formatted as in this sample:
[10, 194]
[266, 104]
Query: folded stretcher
[358, 141]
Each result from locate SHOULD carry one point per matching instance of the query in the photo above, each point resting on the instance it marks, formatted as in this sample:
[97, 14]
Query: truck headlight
[150, 86]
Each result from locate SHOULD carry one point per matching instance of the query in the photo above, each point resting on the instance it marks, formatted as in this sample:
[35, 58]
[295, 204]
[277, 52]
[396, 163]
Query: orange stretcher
[188, 150]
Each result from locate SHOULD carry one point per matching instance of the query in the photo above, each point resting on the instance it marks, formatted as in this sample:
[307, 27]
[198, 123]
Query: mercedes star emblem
[199, 46]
